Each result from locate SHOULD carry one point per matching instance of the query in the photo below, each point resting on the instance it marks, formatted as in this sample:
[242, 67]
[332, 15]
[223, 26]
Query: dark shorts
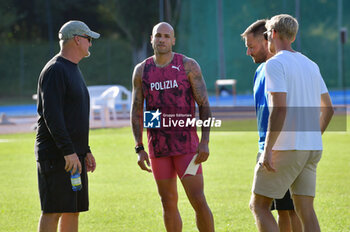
[286, 203]
[55, 188]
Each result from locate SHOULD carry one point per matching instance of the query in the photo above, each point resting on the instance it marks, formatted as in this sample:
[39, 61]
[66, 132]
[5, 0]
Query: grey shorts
[55, 188]
[296, 170]
[286, 203]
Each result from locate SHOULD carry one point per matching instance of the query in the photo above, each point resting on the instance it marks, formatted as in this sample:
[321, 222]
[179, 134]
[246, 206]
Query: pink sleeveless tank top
[168, 89]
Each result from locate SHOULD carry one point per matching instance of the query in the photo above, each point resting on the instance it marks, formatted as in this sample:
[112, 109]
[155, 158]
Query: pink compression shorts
[168, 167]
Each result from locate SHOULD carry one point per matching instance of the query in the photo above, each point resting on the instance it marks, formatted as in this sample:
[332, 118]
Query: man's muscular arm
[200, 94]
[137, 104]
[136, 114]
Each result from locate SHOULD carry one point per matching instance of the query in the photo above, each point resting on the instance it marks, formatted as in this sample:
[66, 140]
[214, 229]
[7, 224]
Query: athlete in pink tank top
[169, 90]
[171, 83]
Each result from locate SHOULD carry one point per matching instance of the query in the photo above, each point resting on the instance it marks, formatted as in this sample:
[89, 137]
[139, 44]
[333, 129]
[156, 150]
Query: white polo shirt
[299, 77]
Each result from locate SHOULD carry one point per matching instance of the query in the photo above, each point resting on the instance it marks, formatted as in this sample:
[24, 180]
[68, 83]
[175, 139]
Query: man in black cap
[62, 141]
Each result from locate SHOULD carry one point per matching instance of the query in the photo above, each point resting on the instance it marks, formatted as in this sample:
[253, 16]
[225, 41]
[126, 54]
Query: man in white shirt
[293, 145]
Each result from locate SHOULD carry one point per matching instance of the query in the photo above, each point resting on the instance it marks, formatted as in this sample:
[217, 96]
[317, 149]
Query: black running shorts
[286, 203]
[55, 188]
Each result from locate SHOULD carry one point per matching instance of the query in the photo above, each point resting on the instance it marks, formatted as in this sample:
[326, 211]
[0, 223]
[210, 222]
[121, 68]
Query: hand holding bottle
[72, 163]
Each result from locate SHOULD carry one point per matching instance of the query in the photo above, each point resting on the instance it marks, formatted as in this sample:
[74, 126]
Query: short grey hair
[287, 26]
[63, 42]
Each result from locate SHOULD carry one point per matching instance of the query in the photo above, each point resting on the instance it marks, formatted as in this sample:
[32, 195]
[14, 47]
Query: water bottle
[76, 181]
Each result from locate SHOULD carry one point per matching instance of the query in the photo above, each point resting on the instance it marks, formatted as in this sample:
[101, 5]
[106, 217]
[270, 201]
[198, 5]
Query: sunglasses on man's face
[86, 37]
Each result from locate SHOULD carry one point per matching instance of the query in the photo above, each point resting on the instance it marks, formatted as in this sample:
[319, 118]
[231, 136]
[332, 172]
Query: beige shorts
[295, 170]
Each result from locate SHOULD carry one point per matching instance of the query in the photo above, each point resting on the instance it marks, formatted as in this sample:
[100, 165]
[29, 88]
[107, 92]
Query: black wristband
[139, 148]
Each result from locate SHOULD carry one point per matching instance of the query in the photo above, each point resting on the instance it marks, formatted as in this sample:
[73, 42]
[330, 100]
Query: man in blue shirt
[257, 48]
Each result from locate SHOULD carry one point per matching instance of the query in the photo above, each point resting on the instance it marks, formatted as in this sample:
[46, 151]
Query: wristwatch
[139, 148]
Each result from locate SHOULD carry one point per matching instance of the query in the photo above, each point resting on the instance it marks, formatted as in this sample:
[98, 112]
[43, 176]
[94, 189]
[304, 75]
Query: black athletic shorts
[55, 188]
[286, 203]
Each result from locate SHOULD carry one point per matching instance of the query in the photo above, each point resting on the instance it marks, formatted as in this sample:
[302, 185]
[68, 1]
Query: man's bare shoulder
[191, 66]
[138, 70]
[188, 60]
[140, 66]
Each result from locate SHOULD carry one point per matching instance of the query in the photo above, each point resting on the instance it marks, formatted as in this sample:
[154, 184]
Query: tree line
[40, 20]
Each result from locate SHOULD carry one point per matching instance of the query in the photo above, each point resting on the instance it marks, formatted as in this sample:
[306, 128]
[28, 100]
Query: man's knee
[198, 200]
[253, 206]
[258, 203]
[303, 204]
[169, 200]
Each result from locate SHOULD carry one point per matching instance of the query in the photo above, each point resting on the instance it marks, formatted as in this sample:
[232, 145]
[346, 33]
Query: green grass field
[124, 198]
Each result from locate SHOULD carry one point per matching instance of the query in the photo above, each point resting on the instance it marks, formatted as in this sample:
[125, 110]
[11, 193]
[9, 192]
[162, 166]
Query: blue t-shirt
[261, 107]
